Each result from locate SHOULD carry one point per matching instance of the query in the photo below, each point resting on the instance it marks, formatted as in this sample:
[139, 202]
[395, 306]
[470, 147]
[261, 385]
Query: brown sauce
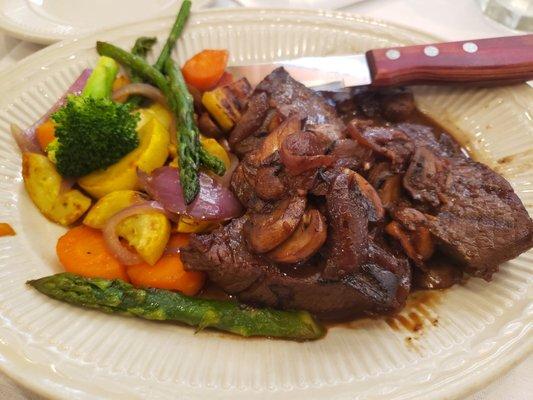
[417, 315]
[213, 292]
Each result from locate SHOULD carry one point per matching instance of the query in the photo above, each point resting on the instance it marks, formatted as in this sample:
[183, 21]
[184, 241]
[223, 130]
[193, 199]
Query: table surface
[449, 19]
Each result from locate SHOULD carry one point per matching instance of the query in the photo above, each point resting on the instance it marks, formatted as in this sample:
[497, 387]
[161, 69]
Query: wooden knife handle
[484, 61]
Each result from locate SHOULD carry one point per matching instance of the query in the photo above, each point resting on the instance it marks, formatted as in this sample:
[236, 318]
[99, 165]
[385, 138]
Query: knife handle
[483, 61]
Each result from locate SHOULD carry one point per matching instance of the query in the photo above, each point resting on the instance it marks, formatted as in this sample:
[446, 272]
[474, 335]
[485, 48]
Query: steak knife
[483, 62]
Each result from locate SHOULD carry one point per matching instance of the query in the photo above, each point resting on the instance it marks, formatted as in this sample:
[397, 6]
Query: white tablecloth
[449, 19]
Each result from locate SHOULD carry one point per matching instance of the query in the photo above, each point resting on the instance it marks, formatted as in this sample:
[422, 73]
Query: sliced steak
[279, 97]
[224, 256]
[482, 222]
[354, 274]
[289, 97]
[472, 212]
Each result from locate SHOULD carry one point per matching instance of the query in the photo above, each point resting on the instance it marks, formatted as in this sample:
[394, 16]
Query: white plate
[313, 4]
[48, 21]
[471, 333]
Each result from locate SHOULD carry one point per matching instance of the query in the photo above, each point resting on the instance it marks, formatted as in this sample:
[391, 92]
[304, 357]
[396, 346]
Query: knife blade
[315, 72]
[482, 62]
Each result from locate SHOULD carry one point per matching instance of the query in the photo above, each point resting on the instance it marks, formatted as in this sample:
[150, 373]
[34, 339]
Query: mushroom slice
[417, 244]
[307, 239]
[273, 141]
[370, 193]
[390, 191]
[265, 231]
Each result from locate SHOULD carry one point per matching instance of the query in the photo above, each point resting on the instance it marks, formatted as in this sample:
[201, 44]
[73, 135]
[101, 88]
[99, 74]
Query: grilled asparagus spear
[175, 32]
[118, 297]
[141, 48]
[185, 103]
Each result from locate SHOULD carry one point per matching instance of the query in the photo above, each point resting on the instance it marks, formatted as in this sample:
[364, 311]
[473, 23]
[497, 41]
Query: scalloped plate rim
[42, 385]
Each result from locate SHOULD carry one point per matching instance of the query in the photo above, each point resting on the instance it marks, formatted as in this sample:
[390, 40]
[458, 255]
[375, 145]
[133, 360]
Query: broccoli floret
[51, 150]
[92, 131]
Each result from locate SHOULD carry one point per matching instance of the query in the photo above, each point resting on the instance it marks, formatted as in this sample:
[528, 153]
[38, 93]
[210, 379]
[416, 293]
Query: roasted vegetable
[161, 305]
[207, 126]
[212, 155]
[162, 114]
[175, 32]
[187, 224]
[178, 105]
[168, 273]
[43, 185]
[83, 251]
[151, 154]
[204, 70]
[45, 134]
[188, 135]
[225, 103]
[141, 48]
[6, 229]
[109, 205]
[147, 233]
[119, 83]
[92, 131]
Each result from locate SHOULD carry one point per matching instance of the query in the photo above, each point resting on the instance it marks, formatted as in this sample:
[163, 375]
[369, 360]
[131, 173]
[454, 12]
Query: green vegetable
[92, 131]
[212, 162]
[188, 135]
[180, 103]
[136, 64]
[175, 32]
[141, 48]
[118, 297]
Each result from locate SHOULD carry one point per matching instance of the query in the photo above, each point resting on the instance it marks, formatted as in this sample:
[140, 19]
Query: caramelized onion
[142, 89]
[301, 152]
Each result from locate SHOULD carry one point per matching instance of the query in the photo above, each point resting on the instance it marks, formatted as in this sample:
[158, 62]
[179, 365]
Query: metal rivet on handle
[392, 54]
[431, 51]
[470, 47]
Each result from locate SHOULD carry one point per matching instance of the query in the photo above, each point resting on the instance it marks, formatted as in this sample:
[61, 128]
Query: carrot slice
[178, 240]
[168, 273]
[46, 133]
[226, 79]
[205, 69]
[6, 230]
[82, 251]
[121, 81]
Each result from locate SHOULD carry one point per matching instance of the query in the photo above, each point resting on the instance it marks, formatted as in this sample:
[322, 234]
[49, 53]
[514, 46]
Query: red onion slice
[143, 89]
[111, 238]
[26, 139]
[25, 143]
[164, 186]
[214, 201]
